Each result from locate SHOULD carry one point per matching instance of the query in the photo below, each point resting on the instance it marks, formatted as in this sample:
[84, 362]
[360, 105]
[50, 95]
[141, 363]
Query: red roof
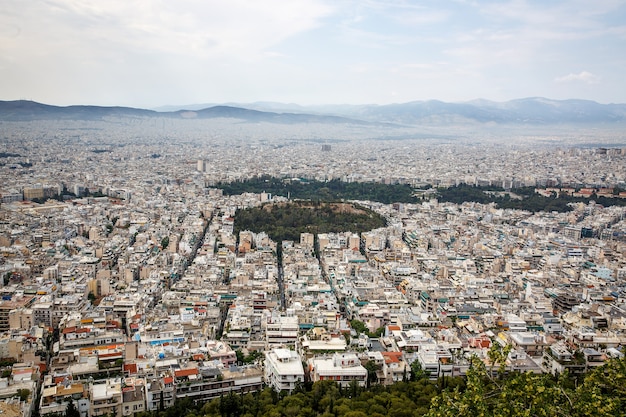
[186, 372]
[168, 379]
[110, 355]
[130, 368]
[392, 357]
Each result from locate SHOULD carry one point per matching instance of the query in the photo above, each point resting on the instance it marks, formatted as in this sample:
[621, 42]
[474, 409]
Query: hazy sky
[148, 53]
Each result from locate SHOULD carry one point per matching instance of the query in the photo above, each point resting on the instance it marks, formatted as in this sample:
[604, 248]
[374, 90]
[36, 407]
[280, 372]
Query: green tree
[417, 372]
[372, 369]
[71, 410]
[23, 394]
[603, 391]
[359, 326]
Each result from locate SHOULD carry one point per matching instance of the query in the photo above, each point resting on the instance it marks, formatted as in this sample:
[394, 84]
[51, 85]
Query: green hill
[286, 221]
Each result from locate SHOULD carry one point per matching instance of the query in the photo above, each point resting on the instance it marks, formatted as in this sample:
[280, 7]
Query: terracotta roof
[392, 357]
[109, 354]
[130, 367]
[186, 372]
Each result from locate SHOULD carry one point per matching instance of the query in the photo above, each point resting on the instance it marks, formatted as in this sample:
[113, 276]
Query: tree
[603, 391]
[71, 410]
[240, 356]
[359, 326]
[417, 372]
[372, 369]
[23, 394]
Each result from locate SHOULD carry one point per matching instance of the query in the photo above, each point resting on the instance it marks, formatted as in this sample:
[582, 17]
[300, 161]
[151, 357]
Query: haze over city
[153, 53]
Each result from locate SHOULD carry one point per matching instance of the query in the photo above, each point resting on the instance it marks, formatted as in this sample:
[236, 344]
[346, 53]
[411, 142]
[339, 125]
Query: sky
[149, 53]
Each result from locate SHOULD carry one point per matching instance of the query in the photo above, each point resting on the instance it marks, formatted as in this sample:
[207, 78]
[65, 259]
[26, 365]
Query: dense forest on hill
[334, 190]
[601, 392]
[285, 221]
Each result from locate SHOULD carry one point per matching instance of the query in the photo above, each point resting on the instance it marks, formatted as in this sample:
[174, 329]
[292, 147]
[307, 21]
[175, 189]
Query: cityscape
[312, 208]
[126, 289]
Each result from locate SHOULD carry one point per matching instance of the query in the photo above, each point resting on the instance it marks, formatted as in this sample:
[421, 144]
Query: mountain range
[527, 111]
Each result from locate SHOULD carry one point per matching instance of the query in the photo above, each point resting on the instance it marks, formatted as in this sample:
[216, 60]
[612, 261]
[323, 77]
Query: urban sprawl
[125, 289]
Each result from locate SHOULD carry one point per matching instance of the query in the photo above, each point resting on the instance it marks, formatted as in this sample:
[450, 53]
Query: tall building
[201, 165]
[14, 303]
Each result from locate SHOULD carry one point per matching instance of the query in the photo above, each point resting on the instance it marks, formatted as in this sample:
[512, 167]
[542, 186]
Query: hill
[23, 110]
[527, 111]
[286, 221]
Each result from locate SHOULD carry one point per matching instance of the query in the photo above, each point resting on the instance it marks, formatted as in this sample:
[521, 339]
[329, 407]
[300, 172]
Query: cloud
[150, 52]
[583, 76]
[185, 27]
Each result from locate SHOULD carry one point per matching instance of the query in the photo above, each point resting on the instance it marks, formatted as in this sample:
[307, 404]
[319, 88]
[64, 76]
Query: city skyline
[150, 54]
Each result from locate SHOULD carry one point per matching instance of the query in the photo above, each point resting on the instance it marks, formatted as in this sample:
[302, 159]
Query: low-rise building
[283, 370]
[343, 368]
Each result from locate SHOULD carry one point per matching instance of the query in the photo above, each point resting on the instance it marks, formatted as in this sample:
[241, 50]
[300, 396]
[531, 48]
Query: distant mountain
[527, 111]
[23, 110]
[534, 110]
[262, 116]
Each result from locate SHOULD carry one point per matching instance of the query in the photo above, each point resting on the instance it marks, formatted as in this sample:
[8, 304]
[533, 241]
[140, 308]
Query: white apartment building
[283, 369]
[342, 368]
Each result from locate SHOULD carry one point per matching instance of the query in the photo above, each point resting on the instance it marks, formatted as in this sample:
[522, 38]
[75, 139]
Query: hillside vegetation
[286, 221]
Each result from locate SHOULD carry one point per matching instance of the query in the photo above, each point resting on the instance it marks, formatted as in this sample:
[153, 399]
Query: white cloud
[163, 51]
[583, 76]
[184, 27]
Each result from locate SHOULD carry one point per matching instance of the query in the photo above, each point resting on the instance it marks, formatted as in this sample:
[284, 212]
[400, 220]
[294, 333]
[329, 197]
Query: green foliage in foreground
[333, 190]
[485, 392]
[286, 221]
[601, 393]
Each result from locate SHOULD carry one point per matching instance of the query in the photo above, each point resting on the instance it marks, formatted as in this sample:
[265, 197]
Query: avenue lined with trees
[524, 198]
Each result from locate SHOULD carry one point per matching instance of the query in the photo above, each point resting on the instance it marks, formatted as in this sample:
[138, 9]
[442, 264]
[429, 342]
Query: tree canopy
[334, 190]
[530, 200]
[286, 221]
[486, 391]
